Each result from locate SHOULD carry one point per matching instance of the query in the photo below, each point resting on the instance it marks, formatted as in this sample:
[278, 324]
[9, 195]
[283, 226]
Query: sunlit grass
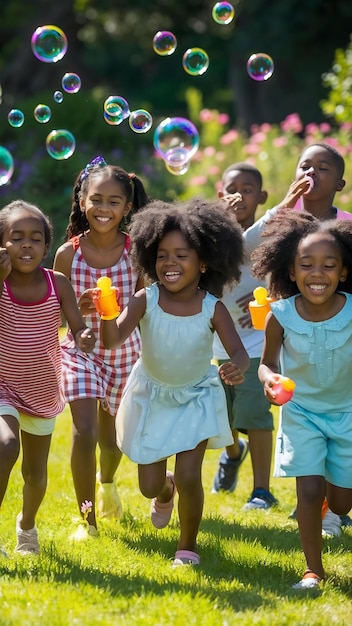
[249, 560]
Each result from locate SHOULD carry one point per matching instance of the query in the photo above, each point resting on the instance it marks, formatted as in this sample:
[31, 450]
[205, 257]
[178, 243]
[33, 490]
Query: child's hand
[231, 373]
[86, 303]
[5, 264]
[295, 191]
[232, 200]
[268, 384]
[85, 339]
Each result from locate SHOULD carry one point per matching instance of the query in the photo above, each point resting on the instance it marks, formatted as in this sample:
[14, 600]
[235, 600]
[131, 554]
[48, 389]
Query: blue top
[317, 356]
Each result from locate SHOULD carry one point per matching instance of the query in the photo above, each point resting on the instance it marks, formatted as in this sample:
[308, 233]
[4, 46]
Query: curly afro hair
[282, 234]
[207, 227]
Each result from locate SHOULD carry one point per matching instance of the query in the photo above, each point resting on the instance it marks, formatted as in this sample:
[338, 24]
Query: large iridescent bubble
[6, 165]
[49, 43]
[223, 13]
[195, 61]
[60, 144]
[260, 66]
[176, 140]
[164, 43]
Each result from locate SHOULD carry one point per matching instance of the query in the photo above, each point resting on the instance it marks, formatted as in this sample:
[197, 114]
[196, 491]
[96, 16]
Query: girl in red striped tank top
[98, 245]
[31, 301]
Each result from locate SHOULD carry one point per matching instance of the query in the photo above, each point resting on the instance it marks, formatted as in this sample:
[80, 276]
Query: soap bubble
[177, 170]
[117, 106]
[164, 43]
[49, 43]
[223, 13]
[195, 61]
[140, 121]
[42, 113]
[176, 140]
[260, 66]
[60, 144]
[15, 118]
[6, 165]
[71, 82]
[58, 96]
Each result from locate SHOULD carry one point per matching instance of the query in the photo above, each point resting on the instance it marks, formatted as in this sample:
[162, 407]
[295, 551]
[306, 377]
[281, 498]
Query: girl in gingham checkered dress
[96, 246]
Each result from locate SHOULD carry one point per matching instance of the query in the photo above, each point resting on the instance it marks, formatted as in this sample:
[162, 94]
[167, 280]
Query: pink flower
[198, 181]
[311, 128]
[86, 508]
[325, 128]
[229, 137]
[292, 123]
[214, 170]
[223, 118]
[209, 151]
[206, 115]
[278, 142]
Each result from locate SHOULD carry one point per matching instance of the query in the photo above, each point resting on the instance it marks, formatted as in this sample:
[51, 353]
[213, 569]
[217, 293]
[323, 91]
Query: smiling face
[24, 240]
[178, 266]
[318, 268]
[105, 204]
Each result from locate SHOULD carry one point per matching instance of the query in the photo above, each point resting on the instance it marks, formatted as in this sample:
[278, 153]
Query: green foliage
[338, 104]
[248, 560]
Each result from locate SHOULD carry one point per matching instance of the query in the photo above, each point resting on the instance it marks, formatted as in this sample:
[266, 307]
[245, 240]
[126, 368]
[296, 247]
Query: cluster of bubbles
[175, 140]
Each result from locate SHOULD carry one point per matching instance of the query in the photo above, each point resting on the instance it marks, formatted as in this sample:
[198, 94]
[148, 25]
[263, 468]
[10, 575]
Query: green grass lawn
[249, 560]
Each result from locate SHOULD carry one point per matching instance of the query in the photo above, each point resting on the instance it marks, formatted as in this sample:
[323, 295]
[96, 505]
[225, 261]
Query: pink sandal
[185, 557]
[160, 512]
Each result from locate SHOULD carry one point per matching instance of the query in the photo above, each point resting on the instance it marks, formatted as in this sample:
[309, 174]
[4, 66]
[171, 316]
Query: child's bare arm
[232, 371]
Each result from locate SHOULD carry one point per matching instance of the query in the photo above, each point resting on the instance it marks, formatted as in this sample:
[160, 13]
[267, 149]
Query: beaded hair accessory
[98, 160]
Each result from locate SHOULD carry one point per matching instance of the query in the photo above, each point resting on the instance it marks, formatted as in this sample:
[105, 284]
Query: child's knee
[9, 451]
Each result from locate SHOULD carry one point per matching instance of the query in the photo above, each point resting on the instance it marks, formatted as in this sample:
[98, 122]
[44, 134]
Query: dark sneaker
[226, 477]
[345, 520]
[260, 499]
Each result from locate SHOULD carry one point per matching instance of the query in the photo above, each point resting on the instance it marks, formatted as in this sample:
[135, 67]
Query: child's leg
[310, 497]
[153, 481]
[83, 459]
[110, 454]
[339, 499]
[34, 471]
[188, 479]
[260, 447]
[9, 449]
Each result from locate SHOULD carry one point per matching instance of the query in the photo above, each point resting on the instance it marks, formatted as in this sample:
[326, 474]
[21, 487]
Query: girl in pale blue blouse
[173, 402]
[309, 331]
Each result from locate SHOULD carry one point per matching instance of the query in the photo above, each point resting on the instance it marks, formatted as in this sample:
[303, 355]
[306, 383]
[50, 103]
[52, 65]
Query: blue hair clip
[98, 160]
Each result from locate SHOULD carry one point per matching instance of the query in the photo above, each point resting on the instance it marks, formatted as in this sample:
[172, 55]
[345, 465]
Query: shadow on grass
[256, 583]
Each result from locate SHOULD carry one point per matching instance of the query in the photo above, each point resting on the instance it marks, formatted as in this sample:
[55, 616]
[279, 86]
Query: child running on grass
[309, 332]
[248, 409]
[98, 243]
[173, 402]
[31, 301]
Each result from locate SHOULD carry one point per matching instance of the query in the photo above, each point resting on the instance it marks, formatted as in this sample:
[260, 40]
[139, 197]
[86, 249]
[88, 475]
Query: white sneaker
[331, 525]
[27, 540]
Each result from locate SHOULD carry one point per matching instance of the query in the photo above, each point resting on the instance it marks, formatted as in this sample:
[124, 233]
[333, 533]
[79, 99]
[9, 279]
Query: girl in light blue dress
[309, 331]
[173, 402]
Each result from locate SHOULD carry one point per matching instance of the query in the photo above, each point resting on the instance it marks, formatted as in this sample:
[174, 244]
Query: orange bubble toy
[106, 303]
[259, 307]
[283, 390]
